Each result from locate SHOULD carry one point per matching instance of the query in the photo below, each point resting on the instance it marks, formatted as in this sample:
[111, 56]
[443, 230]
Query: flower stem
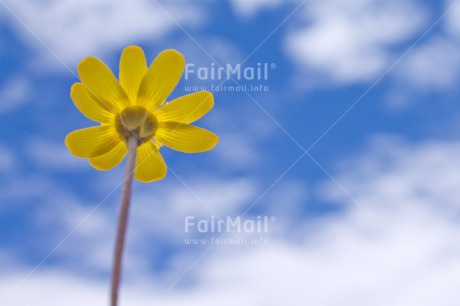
[123, 218]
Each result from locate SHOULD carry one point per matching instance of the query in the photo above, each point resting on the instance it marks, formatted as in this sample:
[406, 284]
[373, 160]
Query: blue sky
[353, 149]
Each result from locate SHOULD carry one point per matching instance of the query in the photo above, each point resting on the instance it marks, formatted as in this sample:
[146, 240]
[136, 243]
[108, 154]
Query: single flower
[136, 106]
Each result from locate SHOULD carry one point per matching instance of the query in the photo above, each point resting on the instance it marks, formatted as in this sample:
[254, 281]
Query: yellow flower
[135, 105]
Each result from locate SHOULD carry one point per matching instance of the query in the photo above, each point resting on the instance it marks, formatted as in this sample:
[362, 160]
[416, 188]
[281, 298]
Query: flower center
[136, 121]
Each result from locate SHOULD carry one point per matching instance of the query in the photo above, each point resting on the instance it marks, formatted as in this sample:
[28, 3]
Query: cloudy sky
[350, 147]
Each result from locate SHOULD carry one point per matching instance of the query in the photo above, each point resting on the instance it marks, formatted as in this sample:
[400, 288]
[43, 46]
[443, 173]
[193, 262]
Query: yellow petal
[88, 105]
[102, 83]
[110, 159]
[185, 138]
[186, 109]
[150, 165]
[163, 75]
[93, 141]
[133, 67]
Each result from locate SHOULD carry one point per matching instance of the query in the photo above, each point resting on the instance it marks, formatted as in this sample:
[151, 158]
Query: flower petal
[163, 75]
[93, 141]
[186, 109]
[133, 67]
[89, 105]
[185, 138]
[150, 165]
[110, 159]
[102, 83]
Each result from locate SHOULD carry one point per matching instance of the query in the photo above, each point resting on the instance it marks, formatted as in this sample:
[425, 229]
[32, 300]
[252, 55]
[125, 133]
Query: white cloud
[157, 219]
[453, 18]
[18, 189]
[348, 42]
[53, 155]
[216, 48]
[433, 64]
[240, 131]
[248, 8]
[7, 159]
[73, 30]
[14, 93]
[397, 247]
[236, 151]
[394, 173]
[163, 211]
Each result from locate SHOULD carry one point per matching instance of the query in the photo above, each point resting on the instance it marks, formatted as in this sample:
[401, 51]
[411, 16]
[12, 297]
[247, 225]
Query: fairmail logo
[260, 72]
[261, 224]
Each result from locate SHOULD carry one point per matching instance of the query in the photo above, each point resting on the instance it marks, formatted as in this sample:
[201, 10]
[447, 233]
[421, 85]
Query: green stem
[123, 218]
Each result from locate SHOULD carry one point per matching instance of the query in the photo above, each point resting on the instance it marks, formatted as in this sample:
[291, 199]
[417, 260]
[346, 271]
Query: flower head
[136, 106]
